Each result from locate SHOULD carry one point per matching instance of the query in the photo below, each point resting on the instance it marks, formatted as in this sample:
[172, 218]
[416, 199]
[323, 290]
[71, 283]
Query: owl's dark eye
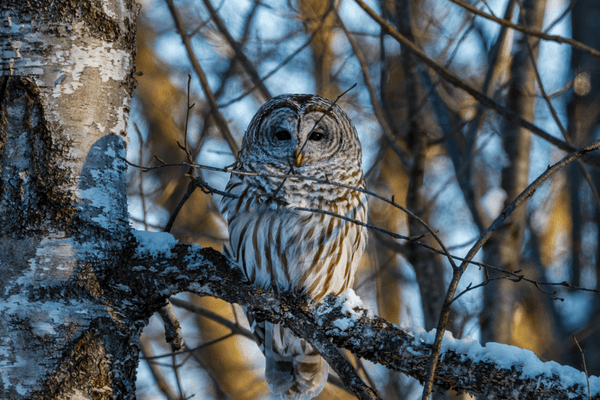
[282, 135]
[316, 136]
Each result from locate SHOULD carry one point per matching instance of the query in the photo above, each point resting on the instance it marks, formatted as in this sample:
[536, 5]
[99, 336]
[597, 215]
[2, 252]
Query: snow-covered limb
[496, 371]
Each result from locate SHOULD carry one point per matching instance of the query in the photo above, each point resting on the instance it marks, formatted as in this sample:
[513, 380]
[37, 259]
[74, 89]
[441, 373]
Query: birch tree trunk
[66, 86]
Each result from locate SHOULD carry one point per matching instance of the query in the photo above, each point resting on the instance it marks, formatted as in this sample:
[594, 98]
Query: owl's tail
[294, 370]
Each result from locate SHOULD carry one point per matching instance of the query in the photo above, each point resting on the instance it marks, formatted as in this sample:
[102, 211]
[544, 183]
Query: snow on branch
[495, 371]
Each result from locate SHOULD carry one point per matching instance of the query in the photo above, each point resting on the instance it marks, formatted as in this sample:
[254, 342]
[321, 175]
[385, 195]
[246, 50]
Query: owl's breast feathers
[302, 187]
[280, 247]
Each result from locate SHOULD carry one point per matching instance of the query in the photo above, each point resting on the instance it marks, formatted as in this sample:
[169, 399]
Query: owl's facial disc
[300, 138]
[316, 143]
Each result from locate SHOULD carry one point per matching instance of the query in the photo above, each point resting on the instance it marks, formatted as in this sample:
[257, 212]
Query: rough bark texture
[206, 272]
[65, 89]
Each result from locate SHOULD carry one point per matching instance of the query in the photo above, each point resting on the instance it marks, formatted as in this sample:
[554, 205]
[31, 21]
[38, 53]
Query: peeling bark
[66, 86]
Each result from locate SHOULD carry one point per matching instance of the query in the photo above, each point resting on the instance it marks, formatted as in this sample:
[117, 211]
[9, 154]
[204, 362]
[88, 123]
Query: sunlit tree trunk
[402, 100]
[66, 84]
[417, 127]
[584, 117]
[504, 248]
[315, 13]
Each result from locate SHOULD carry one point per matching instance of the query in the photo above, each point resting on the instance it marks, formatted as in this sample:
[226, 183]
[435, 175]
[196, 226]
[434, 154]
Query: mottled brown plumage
[281, 248]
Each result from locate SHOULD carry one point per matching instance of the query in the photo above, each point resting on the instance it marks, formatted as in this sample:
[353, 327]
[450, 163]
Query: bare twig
[239, 53]
[454, 80]
[554, 114]
[587, 377]
[388, 133]
[282, 63]
[532, 32]
[212, 101]
[466, 180]
[187, 119]
[514, 274]
[457, 273]
[157, 374]
[141, 176]
[173, 334]
[190, 189]
[189, 350]
[357, 222]
[234, 327]
[564, 14]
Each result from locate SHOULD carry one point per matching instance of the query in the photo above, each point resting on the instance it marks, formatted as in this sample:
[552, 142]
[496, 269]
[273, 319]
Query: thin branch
[587, 377]
[466, 181]
[141, 175]
[190, 350]
[187, 119]
[554, 114]
[454, 80]
[359, 223]
[564, 14]
[388, 133]
[281, 64]
[235, 328]
[159, 379]
[514, 274]
[532, 32]
[239, 52]
[210, 97]
[457, 273]
[190, 190]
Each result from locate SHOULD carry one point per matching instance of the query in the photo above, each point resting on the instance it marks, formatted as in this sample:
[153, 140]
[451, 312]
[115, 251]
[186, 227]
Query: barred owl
[281, 248]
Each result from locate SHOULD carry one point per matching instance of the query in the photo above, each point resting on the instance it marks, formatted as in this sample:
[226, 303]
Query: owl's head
[301, 131]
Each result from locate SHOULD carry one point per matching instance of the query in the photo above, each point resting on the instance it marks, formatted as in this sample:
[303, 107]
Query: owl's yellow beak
[299, 158]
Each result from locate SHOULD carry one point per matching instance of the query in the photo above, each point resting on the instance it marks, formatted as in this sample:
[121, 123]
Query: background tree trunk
[504, 248]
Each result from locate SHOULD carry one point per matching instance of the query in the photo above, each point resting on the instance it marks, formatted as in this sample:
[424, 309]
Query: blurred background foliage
[426, 143]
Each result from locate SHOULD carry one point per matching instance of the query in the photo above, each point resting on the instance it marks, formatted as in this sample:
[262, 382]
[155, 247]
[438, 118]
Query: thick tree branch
[497, 371]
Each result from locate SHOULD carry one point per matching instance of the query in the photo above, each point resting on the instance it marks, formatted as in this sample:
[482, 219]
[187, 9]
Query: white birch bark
[66, 87]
